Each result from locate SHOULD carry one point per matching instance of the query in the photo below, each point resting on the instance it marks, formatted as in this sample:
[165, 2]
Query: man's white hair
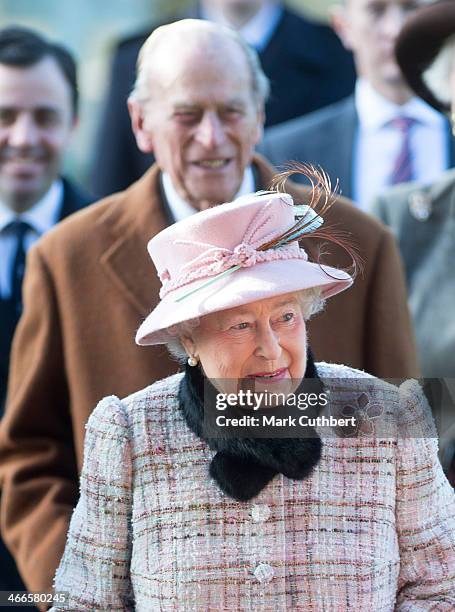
[310, 300]
[437, 76]
[260, 85]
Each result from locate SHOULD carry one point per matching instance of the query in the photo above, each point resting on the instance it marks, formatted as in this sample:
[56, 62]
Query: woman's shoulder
[395, 410]
[337, 370]
[341, 379]
[115, 412]
[161, 390]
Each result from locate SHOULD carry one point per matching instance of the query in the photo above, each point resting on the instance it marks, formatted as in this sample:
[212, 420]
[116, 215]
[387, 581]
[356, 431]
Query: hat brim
[244, 286]
[420, 41]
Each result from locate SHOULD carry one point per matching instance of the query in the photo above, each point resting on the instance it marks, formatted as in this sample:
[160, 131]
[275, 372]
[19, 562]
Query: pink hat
[220, 258]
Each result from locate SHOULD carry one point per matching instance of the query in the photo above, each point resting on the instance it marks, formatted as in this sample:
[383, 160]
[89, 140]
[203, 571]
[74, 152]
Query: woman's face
[264, 342]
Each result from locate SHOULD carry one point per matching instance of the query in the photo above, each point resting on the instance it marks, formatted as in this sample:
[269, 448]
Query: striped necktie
[403, 167]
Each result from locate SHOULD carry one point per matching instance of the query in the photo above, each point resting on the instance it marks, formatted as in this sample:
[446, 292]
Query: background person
[253, 519]
[382, 134]
[304, 61]
[38, 114]
[422, 216]
[198, 105]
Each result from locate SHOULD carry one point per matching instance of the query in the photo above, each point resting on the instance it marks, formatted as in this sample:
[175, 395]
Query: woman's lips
[273, 376]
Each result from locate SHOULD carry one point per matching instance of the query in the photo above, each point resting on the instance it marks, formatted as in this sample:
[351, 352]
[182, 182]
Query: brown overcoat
[89, 283]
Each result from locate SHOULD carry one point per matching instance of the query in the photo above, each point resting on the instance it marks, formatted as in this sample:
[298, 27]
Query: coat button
[264, 573]
[260, 513]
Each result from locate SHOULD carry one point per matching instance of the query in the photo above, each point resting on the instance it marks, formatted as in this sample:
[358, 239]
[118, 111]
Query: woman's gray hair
[437, 77]
[310, 300]
[260, 84]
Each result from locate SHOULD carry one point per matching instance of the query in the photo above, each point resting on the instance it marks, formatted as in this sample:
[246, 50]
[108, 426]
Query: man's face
[370, 28]
[237, 11]
[36, 122]
[201, 122]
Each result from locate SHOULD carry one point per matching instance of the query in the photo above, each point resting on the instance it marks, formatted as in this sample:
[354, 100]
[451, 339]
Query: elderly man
[198, 105]
[304, 61]
[383, 134]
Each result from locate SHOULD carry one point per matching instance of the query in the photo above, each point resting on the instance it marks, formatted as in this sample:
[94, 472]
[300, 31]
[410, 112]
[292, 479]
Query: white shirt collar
[42, 215]
[375, 111]
[258, 30]
[181, 209]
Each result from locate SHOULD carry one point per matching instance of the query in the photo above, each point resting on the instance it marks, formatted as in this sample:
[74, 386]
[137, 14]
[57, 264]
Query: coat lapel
[438, 189]
[130, 222]
[344, 133]
[450, 145]
[263, 172]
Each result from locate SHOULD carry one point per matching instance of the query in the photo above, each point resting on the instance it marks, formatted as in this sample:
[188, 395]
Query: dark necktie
[19, 230]
[403, 167]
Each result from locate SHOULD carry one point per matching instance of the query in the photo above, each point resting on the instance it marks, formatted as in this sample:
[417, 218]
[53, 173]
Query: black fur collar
[242, 467]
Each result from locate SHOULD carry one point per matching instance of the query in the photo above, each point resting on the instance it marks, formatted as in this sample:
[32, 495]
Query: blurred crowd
[199, 124]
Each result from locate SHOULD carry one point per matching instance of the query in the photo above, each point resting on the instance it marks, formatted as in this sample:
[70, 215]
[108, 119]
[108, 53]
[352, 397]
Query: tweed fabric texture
[373, 528]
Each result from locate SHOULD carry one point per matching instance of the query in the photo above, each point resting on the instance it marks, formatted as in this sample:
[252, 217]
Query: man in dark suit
[38, 111]
[422, 218]
[361, 141]
[304, 61]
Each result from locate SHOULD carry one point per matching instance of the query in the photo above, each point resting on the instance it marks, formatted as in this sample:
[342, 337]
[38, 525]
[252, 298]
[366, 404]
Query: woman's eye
[289, 316]
[240, 326]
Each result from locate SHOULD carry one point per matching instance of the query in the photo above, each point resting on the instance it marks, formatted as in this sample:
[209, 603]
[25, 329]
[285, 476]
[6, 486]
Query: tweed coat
[423, 221]
[88, 285]
[151, 531]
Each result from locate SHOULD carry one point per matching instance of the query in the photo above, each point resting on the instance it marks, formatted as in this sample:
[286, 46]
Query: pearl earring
[192, 361]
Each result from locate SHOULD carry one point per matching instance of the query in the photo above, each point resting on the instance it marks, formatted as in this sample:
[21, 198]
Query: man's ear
[260, 125]
[72, 130]
[340, 23]
[143, 137]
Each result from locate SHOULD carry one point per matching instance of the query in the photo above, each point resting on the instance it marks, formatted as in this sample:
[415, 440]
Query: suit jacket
[303, 77]
[427, 248]
[89, 283]
[73, 200]
[326, 138]
[152, 531]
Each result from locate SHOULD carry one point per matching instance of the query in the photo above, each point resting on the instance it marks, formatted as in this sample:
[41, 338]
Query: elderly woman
[173, 516]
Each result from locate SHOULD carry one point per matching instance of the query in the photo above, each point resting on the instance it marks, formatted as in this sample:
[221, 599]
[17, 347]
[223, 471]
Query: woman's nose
[268, 344]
